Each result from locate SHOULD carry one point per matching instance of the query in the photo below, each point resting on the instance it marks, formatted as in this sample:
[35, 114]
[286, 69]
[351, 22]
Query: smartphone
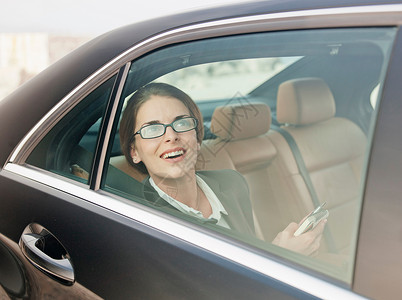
[312, 220]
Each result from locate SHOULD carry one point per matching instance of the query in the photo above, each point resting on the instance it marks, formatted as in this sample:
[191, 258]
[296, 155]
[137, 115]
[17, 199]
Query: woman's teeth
[173, 154]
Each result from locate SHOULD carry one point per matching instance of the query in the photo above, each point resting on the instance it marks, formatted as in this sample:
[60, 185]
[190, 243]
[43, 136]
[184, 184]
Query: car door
[67, 222]
[86, 250]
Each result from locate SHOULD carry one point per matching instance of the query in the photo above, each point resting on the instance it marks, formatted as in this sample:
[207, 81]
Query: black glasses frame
[165, 126]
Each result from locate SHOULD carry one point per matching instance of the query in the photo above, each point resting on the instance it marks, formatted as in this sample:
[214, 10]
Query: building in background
[24, 55]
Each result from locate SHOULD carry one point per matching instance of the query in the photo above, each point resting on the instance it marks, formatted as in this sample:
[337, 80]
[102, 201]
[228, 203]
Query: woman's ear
[134, 155]
[198, 147]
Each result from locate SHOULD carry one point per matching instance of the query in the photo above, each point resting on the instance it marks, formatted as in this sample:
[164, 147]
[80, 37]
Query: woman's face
[172, 155]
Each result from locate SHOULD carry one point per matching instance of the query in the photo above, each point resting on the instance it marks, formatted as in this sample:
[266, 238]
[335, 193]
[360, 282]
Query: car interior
[322, 100]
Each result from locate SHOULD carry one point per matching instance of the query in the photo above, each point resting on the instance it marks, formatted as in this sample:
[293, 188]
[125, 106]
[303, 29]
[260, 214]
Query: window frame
[60, 143]
[272, 252]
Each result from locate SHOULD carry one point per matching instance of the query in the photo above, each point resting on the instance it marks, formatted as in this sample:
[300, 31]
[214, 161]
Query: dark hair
[127, 124]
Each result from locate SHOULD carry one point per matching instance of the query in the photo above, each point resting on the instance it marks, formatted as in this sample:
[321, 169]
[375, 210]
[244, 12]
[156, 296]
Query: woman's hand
[306, 243]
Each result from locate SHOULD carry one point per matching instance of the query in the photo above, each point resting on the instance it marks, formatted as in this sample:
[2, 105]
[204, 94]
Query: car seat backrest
[304, 101]
[242, 144]
[332, 149]
[242, 127]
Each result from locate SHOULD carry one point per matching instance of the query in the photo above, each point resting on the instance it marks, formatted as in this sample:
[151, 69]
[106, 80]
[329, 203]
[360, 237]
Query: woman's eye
[151, 129]
[182, 123]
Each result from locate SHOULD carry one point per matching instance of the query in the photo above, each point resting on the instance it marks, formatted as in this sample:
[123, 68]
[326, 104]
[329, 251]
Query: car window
[215, 80]
[68, 148]
[284, 132]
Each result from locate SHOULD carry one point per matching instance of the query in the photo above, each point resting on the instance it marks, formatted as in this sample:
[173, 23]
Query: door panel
[116, 257]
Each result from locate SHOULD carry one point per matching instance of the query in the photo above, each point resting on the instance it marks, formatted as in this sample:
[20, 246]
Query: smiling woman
[161, 132]
[130, 126]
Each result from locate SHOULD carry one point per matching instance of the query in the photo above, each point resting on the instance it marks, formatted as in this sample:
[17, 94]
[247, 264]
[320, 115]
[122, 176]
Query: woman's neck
[187, 191]
[182, 189]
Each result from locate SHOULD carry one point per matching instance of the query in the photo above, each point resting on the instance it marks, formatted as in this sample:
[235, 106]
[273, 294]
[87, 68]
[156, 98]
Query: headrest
[241, 121]
[304, 101]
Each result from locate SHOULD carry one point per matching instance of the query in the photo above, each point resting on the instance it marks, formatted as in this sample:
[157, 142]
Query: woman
[161, 132]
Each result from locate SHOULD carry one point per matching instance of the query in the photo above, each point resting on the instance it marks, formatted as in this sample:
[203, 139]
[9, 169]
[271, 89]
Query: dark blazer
[231, 189]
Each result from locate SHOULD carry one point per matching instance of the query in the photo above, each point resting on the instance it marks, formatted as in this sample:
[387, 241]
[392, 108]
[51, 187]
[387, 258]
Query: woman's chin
[176, 173]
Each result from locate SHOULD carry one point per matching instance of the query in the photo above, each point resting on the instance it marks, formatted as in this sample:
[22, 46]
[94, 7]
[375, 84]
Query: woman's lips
[173, 154]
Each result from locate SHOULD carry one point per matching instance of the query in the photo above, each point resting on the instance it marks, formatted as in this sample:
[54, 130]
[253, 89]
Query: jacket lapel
[236, 218]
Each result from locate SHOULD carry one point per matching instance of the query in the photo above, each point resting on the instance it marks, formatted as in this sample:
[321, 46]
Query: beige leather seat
[332, 149]
[242, 144]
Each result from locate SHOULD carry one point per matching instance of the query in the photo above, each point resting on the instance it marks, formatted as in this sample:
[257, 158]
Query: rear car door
[68, 230]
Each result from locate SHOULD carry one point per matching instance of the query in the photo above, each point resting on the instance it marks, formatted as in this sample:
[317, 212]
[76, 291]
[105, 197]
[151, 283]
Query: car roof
[22, 109]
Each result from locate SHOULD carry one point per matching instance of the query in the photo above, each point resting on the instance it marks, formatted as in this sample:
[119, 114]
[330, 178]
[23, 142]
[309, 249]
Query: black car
[302, 98]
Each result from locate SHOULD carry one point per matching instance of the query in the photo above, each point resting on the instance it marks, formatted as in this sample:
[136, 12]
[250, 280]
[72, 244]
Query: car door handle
[45, 252]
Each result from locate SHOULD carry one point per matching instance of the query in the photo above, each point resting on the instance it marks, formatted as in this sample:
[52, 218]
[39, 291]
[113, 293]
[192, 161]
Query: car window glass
[215, 80]
[315, 85]
[68, 148]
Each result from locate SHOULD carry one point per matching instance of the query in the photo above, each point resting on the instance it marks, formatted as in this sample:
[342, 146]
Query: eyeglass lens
[156, 130]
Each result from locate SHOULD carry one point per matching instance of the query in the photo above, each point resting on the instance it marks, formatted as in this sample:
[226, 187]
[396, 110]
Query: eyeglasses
[156, 130]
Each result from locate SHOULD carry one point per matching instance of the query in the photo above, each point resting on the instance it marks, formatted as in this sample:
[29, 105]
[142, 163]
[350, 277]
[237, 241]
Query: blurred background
[36, 33]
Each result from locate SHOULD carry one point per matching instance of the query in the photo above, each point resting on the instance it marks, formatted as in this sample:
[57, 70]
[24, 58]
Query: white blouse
[216, 205]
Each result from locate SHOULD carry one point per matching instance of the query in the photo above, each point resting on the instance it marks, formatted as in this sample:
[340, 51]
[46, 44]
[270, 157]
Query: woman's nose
[170, 134]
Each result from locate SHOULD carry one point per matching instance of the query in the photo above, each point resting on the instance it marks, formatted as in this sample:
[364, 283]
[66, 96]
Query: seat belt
[306, 177]
[300, 164]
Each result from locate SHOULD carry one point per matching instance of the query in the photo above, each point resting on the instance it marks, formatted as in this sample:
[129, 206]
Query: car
[302, 98]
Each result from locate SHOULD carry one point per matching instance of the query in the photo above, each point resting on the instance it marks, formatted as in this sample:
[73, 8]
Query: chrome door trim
[115, 104]
[30, 140]
[295, 278]
[371, 15]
